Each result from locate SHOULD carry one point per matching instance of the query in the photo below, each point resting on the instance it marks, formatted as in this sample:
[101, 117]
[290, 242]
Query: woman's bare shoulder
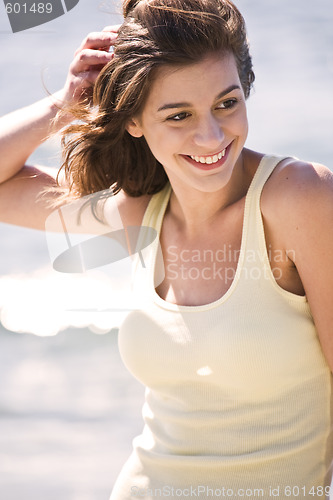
[130, 208]
[296, 186]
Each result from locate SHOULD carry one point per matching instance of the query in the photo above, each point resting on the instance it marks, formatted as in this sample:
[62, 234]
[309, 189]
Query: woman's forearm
[24, 130]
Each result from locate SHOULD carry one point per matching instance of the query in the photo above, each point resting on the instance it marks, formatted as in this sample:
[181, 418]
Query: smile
[209, 160]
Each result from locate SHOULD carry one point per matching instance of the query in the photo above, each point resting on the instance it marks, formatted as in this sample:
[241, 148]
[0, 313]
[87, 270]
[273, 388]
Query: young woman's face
[195, 122]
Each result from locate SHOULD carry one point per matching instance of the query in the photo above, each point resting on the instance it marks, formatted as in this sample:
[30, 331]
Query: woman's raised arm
[24, 130]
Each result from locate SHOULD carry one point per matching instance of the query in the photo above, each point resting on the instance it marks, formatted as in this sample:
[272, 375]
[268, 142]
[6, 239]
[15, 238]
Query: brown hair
[99, 152]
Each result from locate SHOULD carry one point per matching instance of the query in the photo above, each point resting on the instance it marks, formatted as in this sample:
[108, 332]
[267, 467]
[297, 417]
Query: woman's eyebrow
[174, 105]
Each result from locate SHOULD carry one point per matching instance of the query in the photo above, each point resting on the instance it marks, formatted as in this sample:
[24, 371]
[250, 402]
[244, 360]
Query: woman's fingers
[87, 58]
[86, 79]
[92, 55]
[99, 40]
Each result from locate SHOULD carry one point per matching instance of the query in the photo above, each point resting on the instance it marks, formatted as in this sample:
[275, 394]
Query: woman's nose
[209, 134]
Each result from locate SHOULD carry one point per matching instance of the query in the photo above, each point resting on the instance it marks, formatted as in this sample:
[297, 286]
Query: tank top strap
[156, 208]
[147, 260]
[254, 253]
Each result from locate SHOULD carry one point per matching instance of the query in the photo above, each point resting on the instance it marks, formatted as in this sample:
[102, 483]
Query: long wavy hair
[98, 151]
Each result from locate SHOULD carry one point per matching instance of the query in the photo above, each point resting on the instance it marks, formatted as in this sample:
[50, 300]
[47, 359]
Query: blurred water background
[68, 408]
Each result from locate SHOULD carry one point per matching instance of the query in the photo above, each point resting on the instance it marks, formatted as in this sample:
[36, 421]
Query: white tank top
[239, 395]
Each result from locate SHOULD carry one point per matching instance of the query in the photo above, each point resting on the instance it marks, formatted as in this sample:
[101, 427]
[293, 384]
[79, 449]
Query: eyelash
[231, 103]
[228, 104]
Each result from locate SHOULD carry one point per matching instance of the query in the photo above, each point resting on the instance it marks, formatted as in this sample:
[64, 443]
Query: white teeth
[208, 160]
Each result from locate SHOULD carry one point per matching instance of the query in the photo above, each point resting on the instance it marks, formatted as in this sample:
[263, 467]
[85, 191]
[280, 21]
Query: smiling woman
[236, 350]
[152, 41]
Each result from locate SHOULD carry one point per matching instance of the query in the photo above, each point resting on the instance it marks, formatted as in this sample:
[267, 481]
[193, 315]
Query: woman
[235, 345]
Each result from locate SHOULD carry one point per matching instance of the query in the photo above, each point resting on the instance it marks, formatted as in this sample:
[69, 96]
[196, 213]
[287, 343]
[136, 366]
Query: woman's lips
[209, 162]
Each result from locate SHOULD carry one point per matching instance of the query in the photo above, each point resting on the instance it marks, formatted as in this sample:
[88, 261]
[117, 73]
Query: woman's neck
[194, 210]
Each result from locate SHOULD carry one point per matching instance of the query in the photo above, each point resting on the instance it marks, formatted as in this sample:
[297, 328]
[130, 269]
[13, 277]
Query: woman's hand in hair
[91, 56]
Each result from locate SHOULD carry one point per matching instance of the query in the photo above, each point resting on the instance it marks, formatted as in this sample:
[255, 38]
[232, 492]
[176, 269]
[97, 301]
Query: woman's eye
[228, 104]
[179, 117]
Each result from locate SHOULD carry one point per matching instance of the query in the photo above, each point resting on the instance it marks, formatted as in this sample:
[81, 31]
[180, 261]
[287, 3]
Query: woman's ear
[133, 128]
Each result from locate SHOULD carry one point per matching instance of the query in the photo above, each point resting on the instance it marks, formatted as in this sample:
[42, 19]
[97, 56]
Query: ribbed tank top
[238, 397]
